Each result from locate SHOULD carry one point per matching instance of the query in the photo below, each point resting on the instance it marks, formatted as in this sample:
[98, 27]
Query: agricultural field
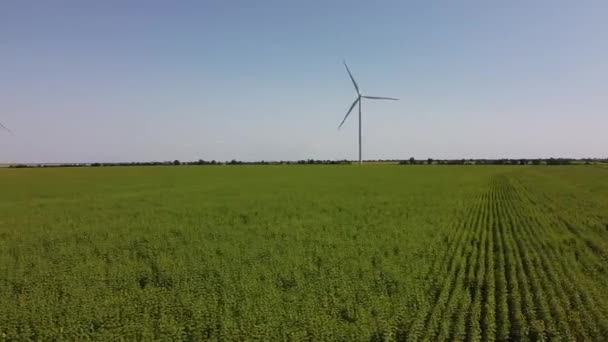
[274, 253]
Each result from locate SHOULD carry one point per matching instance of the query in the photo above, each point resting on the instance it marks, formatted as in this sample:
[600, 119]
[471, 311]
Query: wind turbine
[6, 128]
[358, 100]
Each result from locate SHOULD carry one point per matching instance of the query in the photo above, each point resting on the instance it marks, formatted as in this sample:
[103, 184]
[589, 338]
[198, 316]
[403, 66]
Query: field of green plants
[273, 253]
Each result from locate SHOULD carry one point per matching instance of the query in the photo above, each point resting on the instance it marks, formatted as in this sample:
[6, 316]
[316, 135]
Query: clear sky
[84, 81]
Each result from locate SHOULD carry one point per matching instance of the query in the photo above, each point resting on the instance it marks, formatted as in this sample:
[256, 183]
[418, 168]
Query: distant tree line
[197, 162]
[411, 161]
[535, 161]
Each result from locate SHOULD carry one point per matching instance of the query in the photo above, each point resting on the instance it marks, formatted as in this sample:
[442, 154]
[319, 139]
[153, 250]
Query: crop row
[505, 276]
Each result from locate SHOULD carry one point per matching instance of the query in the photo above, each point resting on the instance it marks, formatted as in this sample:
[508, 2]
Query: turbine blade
[380, 98]
[352, 78]
[348, 113]
[6, 128]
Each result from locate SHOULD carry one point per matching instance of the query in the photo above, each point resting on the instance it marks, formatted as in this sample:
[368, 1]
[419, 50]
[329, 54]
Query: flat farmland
[371, 253]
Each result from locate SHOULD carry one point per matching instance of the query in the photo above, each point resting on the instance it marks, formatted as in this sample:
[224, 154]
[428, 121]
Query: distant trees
[313, 161]
[522, 161]
[410, 161]
[203, 162]
[558, 161]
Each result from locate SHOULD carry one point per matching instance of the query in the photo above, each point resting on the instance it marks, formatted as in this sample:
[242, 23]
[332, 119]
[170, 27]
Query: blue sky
[88, 81]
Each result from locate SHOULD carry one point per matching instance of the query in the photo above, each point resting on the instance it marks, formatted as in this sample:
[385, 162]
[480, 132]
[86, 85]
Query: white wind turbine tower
[358, 100]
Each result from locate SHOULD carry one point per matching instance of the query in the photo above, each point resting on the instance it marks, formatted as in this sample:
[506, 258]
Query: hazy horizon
[146, 81]
[224, 161]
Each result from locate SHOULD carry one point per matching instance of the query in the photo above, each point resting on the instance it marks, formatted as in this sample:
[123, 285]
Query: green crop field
[273, 253]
